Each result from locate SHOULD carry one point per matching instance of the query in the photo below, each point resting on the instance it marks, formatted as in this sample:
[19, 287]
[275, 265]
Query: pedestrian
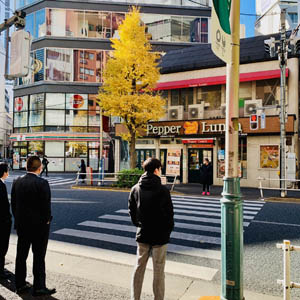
[5, 219]
[82, 171]
[31, 207]
[206, 176]
[45, 163]
[151, 210]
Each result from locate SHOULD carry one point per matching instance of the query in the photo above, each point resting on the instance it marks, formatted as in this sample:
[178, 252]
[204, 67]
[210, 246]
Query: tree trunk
[132, 152]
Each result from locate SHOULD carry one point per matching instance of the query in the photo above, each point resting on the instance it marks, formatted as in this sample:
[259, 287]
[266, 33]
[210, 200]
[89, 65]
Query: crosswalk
[53, 181]
[197, 227]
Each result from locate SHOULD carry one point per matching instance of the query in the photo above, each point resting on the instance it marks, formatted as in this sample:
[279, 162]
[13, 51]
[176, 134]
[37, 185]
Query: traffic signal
[270, 46]
[254, 122]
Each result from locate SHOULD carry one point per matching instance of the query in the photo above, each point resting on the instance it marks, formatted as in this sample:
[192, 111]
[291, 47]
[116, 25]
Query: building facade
[268, 15]
[193, 82]
[55, 109]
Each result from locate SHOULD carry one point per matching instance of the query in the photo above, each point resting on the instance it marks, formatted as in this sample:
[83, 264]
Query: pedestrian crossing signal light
[254, 122]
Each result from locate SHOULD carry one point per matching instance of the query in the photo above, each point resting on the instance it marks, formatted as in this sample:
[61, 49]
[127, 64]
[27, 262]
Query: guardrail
[290, 187]
[286, 283]
[101, 178]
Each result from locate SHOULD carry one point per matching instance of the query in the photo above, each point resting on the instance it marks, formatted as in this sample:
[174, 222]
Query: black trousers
[37, 237]
[205, 186]
[4, 241]
[45, 168]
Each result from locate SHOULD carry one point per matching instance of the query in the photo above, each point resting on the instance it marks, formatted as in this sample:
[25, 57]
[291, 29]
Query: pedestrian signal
[254, 122]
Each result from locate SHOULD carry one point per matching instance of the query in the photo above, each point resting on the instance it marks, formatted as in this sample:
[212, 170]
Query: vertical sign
[220, 32]
[173, 162]
[263, 120]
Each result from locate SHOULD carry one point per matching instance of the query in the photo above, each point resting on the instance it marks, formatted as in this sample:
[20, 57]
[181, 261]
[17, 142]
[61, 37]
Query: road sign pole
[231, 203]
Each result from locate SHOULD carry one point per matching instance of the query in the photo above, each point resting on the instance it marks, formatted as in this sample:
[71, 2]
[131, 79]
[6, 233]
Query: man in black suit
[5, 220]
[31, 207]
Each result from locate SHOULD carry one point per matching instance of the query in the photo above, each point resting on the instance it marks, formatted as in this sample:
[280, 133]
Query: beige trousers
[158, 259]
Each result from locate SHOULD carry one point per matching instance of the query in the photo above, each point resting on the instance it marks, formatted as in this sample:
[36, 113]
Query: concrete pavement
[81, 272]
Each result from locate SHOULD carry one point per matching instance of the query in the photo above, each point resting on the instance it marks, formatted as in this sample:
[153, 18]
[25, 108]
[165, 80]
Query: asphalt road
[100, 219]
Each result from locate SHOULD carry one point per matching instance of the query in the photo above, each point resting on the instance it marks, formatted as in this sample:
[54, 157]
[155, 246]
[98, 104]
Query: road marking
[175, 235]
[276, 223]
[115, 239]
[73, 202]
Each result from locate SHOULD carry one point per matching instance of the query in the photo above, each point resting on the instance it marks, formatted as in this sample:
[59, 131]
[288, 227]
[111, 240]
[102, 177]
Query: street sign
[263, 120]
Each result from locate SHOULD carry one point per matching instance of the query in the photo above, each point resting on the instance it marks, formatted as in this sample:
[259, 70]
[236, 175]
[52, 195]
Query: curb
[282, 200]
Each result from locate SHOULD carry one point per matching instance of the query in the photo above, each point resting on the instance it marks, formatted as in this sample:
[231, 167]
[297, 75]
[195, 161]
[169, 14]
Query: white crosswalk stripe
[53, 181]
[197, 227]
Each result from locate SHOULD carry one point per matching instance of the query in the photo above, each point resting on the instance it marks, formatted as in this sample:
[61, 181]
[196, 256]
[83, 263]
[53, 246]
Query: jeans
[205, 186]
[158, 259]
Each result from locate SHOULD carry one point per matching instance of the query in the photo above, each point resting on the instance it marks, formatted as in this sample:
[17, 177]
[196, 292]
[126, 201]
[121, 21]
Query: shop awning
[216, 80]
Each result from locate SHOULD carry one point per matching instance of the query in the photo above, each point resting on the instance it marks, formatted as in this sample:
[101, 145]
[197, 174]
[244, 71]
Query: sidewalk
[86, 273]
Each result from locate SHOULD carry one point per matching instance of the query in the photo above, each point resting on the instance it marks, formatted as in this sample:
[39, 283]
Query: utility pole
[282, 56]
[101, 159]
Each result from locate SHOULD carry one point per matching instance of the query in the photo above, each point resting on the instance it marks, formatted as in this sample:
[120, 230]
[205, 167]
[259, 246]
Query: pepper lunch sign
[192, 127]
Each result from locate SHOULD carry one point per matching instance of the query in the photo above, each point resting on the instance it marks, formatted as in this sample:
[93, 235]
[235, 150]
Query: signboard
[220, 32]
[263, 120]
[173, 162]
[269, 156]
[197, 141]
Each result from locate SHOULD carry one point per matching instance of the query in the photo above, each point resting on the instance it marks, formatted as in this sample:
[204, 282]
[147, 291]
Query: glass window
[36, 148]
[86, 67]
[55, 101]
[55, 117]
[76, 149]
[20, 119]
[76, 101]
[116, 20]
[94, 118]
[21, 104]
[59, 65]
[40, 23]
[54, 128]
[269, 91]
[36, 129]
[29, 26]
[20, 3]
[92, 102]
[39, 62]
[174, 97]
[54, 148]
[76, 117]
[36, 118]
[56, 22]
[36, 102]
[94, 23]
[93, 129]
[76, 23]
[77, 129]
[210, 95]
[73, 164]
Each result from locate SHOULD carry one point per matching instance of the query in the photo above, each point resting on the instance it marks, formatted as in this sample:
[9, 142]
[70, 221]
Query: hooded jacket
[151, 210]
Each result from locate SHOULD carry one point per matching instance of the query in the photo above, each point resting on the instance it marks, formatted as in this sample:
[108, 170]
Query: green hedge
[128, 178]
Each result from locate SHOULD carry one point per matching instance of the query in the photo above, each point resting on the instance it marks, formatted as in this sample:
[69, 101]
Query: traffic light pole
[231, 203]
[282, 55]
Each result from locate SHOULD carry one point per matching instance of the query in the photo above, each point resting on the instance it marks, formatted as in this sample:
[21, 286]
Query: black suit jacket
[31, 201]
[5, 215]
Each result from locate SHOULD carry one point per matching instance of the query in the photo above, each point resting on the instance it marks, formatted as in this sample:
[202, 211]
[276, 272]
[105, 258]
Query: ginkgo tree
[130, 76]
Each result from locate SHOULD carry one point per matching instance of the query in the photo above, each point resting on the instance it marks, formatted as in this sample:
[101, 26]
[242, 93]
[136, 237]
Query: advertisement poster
[269, 157]
[173, 162]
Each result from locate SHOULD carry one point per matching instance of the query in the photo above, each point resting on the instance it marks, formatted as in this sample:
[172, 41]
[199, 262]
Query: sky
[248, 8]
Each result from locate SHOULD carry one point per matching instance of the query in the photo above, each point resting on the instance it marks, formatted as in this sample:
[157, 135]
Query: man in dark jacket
[5, 220]
[31, 207]
[151, 211]
[45, 163]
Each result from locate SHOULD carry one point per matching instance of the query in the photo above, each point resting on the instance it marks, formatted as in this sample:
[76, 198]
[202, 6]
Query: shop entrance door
[19, 158]
[93, 159]
[195, 161]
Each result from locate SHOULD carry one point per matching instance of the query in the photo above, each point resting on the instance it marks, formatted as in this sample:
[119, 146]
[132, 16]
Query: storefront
[182, 146]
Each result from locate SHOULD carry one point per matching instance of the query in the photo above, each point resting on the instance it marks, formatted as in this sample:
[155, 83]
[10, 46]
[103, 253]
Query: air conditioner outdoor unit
[251, 107]
[196, 111]
[223, 110]
[175, 113]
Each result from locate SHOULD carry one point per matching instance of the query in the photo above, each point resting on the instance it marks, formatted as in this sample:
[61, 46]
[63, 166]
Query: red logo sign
[78, 101]
[18, 104]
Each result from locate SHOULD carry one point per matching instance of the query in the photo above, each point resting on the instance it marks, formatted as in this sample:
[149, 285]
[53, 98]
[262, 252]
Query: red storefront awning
[216, 80]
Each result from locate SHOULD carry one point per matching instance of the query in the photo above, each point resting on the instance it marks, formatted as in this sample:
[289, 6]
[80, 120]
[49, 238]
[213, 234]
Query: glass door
[93, 159]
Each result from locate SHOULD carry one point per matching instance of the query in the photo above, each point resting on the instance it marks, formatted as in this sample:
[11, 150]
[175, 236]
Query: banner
[220, 29]
[173, 162]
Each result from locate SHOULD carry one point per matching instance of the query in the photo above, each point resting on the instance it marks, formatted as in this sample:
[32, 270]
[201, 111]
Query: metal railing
[291, 186]
[101, 178]
[286, 283]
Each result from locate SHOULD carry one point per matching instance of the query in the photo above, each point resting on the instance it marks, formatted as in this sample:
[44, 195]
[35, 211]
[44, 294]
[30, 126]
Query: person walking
[206, 174]
[82, 171]
[151, 211]
[5, 219]
[45, 163]
[31, 207]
